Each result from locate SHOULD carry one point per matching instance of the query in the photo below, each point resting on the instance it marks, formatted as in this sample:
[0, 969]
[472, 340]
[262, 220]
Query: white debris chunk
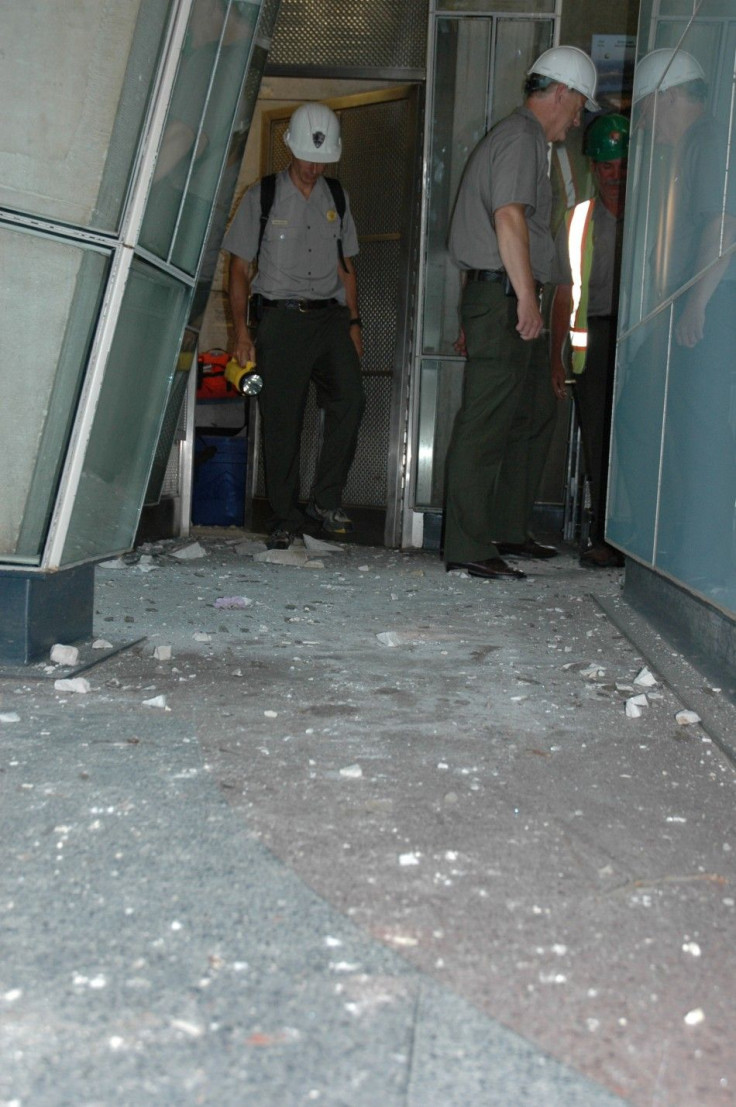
[633, 711]
[593, 672]
[291, 556]
[101, 644]
[191, 552]
[695, 1017]
[314, 563]
[389, 638]
[201, 636]
[114, 563]
[162, 653]
[64, 655]
[73, 684]
[687, 718]
[318, 545]
[146, 564]
[644, 678]
[9, 717]
[409, 858]
[692, 948]
[352, 772]
[157, 701]
[233, 602]
[622, 687]
[271, 714]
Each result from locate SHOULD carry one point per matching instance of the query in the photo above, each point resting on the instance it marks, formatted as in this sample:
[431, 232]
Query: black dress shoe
[531, 549]
[492, 568]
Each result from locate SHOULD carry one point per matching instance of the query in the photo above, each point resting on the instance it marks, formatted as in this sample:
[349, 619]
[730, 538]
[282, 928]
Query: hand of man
[459, 345]
[690, 325]
[530, 324]
[243, 349]
[559, 387]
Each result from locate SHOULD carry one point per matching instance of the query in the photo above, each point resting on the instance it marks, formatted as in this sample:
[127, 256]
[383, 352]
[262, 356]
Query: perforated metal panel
[383, 35]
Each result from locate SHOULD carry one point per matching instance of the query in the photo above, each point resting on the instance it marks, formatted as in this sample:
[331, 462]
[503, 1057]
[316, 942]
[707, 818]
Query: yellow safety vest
[579, 222]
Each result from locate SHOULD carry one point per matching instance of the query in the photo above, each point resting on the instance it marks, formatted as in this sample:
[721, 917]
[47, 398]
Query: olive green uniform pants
[292, 349]
[502, 432]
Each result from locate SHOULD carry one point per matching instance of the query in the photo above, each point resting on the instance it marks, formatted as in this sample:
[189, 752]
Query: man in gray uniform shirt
[306, 297]
[500, 239]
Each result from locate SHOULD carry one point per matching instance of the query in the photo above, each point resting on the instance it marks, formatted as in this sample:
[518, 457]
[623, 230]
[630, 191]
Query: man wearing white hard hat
[500, 240]
[295, 232]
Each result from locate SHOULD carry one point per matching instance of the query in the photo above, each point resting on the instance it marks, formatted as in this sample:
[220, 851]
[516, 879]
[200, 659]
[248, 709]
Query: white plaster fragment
[162, 653]
[271, 714]
[352, 772]
[101, 644]
[687, 718]
[633, 711]
[157, 701]
[229, 602]
[64, 655]
[695, 1017]
[593, 672]
[318, 545]
[190, 553]
[409, 858]
[296, 557]
[73, 684]
[389, 638]
[9, 717]
[644, 678]
[692, 948]
[201, 636]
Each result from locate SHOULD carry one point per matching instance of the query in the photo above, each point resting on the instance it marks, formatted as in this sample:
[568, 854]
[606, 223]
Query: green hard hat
[607, 138]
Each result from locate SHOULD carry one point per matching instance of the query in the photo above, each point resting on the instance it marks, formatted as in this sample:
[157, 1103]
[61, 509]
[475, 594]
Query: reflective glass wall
[672, 492]
[126, 120]
[476, 78]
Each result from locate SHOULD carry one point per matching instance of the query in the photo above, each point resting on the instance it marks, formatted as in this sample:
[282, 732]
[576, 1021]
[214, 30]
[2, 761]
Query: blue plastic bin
[218, 491]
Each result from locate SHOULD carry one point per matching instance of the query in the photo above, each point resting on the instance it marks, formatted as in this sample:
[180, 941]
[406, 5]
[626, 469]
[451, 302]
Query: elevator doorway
[381, 144]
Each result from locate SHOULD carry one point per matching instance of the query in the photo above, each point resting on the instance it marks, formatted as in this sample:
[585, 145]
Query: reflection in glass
[673, 492]
[439, 400]
[129, 414]
[68, 148]
[51, 292]
[198, 130]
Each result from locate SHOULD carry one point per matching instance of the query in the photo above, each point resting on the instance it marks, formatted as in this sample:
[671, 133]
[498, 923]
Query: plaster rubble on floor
[466, 798]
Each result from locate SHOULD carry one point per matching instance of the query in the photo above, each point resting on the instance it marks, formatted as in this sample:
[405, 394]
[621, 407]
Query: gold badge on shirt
[331, 215]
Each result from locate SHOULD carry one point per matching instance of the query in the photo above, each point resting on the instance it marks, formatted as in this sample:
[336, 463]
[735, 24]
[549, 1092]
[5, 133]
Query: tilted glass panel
[50, 292]
[129, 414]
[197, 131]
[68, 147]
[705, 8]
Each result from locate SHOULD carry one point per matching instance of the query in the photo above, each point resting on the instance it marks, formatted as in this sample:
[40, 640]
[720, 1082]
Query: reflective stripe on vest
[580, 246]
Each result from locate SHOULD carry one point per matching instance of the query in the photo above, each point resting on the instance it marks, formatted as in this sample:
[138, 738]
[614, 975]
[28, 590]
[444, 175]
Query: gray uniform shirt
[509, 166]
[606, 230]
[298, 258]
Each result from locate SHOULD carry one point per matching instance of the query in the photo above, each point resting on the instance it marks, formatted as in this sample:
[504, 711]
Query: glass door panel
[91, 67]
[198, 129]
[129, 413]
[51, 293]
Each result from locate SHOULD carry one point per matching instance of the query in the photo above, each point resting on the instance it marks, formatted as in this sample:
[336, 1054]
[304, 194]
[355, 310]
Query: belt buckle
[301, 307]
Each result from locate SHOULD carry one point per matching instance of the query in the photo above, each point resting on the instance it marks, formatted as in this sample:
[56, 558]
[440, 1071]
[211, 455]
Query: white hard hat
[663, 69]
[314, 134]
[572, 67]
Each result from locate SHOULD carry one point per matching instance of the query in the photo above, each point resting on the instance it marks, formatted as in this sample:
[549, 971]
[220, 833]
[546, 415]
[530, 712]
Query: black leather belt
[499, 275]
[486, 274]
[300, 305]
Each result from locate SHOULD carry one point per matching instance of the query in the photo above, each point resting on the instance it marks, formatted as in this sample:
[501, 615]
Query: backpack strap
[338, 198]
[268, 191]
